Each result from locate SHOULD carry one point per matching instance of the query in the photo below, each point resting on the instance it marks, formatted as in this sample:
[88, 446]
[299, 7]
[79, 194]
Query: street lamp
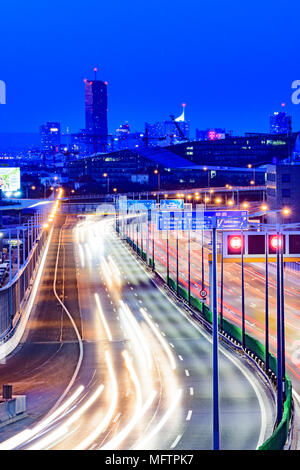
[156, 172]
[208, 176]
[106, 176]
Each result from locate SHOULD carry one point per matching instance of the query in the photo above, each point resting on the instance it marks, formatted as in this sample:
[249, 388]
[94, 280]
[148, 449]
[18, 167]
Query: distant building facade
[167, 132]
[280, 123]
[283, 190]
[50, 137]
[210, 134]
[96, 127]
[253, 148]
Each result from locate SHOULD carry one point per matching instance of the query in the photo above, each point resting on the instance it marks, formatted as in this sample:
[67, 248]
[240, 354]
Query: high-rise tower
[96, 112]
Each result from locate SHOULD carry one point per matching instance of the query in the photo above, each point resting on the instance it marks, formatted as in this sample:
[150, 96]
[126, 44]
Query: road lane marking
[187, 373]
[180, 357]
[189, 415]
[176, 441]
[160, 338]
[116, 417]
[191, 391]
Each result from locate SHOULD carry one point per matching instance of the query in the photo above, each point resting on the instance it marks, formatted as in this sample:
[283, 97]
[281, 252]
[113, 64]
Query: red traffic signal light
[235, 243]
[275, 242]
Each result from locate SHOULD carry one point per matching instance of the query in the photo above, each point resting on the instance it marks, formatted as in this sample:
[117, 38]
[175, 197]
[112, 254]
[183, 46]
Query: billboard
[9, 179]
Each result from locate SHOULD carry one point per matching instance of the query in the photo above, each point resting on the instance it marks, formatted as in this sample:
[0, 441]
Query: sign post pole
[177, 267]
[282, 311]
[216, 425]
[279, 344]
[168, 267]
[222, 281]
[189, 267]
[243, 291]
[267, 304]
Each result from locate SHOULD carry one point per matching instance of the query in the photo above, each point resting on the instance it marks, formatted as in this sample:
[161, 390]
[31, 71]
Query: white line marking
[176, 441]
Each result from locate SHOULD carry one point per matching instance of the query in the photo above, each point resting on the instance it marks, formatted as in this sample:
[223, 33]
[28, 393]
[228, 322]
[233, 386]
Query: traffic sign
[171, 204]
[203, 293]
[137, 204]
[202, 220]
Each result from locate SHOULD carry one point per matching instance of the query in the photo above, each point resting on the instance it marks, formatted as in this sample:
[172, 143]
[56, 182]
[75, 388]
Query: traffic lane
[41, 366]
[86, 417]
[110, 299]
[254, 306]
[232, 294]
[93, 372]
[187, 348]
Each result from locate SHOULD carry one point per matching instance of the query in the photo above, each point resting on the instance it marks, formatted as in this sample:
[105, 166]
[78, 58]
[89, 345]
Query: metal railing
[26, 257]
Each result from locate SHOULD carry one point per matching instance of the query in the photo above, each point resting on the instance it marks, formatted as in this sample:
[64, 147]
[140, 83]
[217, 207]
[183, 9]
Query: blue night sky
[232, 62]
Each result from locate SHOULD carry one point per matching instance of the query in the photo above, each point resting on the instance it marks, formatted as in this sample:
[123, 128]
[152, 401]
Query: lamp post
[189, 266]
[156, 172]
[267, 304]
[106, 176]
[279, 331]
[243, 291]
[168, 266]
[177, 264]
[202, 260]
[222, 281]
[216, 425]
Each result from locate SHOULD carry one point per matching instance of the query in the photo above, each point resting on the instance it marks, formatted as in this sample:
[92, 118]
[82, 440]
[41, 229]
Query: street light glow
[286, 211]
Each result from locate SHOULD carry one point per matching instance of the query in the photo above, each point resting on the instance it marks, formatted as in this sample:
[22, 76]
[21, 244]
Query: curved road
[110, 362]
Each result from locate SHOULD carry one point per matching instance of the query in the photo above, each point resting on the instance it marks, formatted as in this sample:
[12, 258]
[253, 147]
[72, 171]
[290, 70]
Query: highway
[108, 361]
[254, 294]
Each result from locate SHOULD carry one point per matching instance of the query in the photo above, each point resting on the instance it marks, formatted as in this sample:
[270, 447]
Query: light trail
[115, 270]
[81, 255]
[138, 333]
[141, 445]
[139, 409]
[108, 417]
[28, 434]
[102, 317]
[88, 251]
[64, 428]
[160, 339]
[106, 272]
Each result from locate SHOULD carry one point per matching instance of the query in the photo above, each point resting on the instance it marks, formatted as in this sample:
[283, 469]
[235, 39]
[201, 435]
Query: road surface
[110, 362]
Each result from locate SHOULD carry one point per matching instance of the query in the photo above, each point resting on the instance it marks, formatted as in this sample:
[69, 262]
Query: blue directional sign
[202, 220]
[171, 204]
[127, 204]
